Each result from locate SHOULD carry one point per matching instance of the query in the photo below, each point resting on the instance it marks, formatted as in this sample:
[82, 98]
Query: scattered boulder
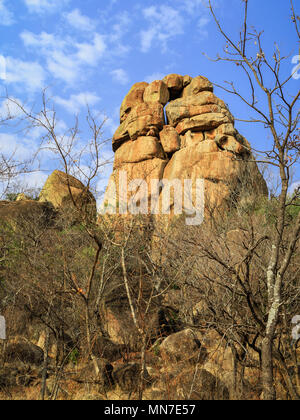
[97, 372]
[201, 385]
[183, 346]
[104, 348]
[128, 376]
[23, 352]
[181, 382]
[17, 376]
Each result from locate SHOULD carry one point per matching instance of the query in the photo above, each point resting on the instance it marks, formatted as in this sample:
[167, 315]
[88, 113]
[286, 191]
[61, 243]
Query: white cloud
[120, 76]
[6, 16]
[43, 40]
[34, 180]
[147, 38]
[120, 26]
[202, 25]
[91, 53]
[76, 19]
[30, 75]
[76, 102]
[21, 149]
[165, 23]
[192, 6]
[63, 67]
[45, 6]
[66, 59]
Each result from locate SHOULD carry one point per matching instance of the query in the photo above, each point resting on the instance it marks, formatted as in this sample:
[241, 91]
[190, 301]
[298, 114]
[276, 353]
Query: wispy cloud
[192, 6]
[28, 75]
[120, 27]
[91, 53]
[79, 21]
[165, 23]
[44, 40]
[120, 76]
[45, 6]
[66, 59]
[6, 16]
[20, 149]
[74, 104]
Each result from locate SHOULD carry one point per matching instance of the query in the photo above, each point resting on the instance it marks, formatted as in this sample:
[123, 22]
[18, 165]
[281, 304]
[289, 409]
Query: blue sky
[94, 50]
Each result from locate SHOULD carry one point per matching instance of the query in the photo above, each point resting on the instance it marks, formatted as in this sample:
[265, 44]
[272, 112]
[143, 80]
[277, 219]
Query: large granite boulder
[62, 189]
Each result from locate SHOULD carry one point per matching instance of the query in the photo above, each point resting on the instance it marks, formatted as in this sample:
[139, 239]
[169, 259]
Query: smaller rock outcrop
[61, 189]
[183, 346]
[23, 352]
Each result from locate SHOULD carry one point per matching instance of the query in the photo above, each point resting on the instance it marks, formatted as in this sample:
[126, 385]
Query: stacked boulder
[192, 138]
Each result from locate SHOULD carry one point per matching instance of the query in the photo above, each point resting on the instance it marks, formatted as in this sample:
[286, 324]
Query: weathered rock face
[133, 98]
[145, 119]
[57, 192]
[169, 139]
[157, 91]
[196, 140]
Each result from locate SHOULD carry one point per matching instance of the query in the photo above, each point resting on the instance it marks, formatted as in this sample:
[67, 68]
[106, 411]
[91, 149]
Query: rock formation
[54, 196]
[192, 138]
[60, 189]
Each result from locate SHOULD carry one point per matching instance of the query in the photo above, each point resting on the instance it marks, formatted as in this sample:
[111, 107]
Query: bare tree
[281, 117]
[11, 168]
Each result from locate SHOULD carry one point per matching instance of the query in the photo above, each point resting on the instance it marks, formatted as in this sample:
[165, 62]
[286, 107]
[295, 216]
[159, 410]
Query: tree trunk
[45, 365]
[267, 369]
